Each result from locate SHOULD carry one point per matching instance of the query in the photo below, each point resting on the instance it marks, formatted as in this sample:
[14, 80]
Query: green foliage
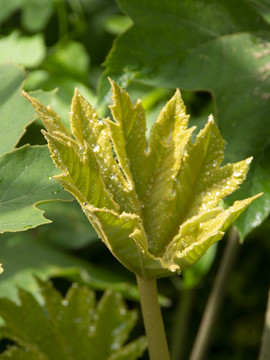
[25, 173]
[28, 51]
[212, 47]
[66, 67]
[70, 327]
[209, 46]
[15, 112]
[26, 179]
[26, 254]
[155, 207]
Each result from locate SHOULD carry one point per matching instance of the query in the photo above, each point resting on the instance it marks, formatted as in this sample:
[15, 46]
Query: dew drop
[172, 193]
[96, 148]
[237, 174]
[92, 328]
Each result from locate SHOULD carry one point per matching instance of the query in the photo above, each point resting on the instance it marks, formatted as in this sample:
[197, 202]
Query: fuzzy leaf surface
[154, 205]
[71, 327]
[213, 46]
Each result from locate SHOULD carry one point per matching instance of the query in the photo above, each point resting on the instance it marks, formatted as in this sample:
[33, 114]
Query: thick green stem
[154, 327]
[216, 297]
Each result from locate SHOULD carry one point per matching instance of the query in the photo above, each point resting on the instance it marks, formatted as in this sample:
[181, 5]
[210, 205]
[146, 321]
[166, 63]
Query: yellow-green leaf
[156, 206]
[128, 137]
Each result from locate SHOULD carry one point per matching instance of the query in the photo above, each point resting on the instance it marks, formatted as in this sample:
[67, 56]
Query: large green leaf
[155, 206]
[26, 176]
[207, 45]
[15, 111]
[71, 327]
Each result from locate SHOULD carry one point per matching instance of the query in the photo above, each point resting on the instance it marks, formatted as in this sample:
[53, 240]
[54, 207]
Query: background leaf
[29, 51]
[26, 179]
[26, 254]
[206, 46]
[72, 327]
[15, 111]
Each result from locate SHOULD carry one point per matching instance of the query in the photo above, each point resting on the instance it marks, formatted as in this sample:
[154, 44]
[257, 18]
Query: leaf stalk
[154, 327]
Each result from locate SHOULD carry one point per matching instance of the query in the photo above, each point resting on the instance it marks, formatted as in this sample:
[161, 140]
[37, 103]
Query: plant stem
[216, 297]
[153, 323]
[181, 324]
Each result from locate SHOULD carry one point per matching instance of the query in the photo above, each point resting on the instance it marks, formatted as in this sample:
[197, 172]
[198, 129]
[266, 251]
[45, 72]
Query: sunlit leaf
[156, 205]
[21, 50]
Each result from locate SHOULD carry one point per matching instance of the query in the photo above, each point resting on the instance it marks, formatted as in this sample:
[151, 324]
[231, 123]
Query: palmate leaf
[155, 205]
[71, 327]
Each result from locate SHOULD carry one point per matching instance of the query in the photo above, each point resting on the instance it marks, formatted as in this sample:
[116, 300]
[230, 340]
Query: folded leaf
[155, 205]
[128, 137]
[197, 234]
[125, 237]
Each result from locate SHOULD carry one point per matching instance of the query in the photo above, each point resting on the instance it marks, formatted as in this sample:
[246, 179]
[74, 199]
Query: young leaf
[210, 46]
[156, 207]
[71, 327]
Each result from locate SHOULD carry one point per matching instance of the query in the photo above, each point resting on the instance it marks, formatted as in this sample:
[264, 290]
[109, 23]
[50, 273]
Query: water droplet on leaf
[96, 148]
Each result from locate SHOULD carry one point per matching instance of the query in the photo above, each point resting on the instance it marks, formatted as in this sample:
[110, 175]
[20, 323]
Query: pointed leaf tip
[155, 205]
